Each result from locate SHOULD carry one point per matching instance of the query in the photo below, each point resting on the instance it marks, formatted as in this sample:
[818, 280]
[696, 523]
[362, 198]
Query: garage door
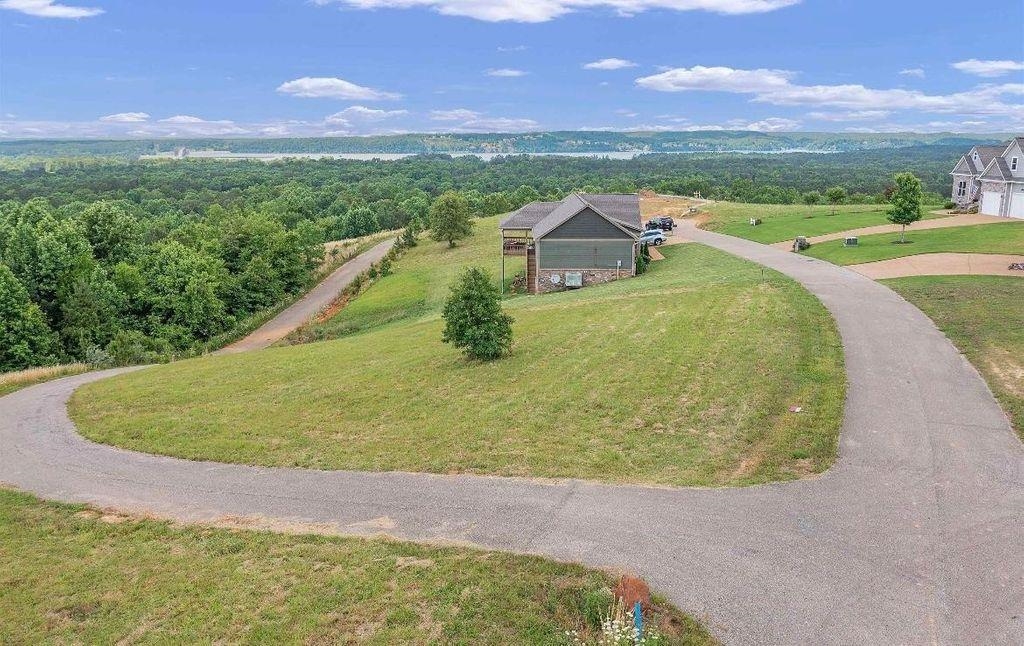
[1017, 203]
[990, 202]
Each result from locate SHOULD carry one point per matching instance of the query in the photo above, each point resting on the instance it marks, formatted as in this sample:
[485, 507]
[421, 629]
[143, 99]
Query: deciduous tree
[905, 202]
[449, 218]
[474, 320]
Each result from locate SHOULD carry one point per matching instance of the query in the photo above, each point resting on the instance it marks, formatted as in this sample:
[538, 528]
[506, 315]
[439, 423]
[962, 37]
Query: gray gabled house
[582, 240]
[992, 178]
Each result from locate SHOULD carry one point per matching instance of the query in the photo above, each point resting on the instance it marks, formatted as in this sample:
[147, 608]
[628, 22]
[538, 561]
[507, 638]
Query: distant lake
[610, 154]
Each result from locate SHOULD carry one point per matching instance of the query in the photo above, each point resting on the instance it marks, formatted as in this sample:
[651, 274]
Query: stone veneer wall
[590, 277]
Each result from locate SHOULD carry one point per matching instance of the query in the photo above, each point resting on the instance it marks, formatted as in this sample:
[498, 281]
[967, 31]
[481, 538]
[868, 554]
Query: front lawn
[72, 575]
[984, 317]
[1000, 237]
[683, 376]
[781, 222]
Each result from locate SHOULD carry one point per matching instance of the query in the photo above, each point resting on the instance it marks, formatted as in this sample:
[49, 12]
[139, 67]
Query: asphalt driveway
[915, 536]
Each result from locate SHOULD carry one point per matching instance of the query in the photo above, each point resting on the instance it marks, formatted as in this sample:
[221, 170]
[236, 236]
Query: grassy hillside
[683, 376]
[1001, 237]
[982, 315]
[786, 221]
[74, 575]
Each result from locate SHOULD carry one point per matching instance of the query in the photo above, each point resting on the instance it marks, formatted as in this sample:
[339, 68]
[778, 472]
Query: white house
[993, 178]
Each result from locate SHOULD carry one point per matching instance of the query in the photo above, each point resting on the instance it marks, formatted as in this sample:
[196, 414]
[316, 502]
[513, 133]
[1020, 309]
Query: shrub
[474, 320]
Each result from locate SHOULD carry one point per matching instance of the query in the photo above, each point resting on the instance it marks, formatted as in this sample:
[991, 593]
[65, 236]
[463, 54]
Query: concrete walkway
[941, 264]
[915, 536]
[309, 305]
[937, 223]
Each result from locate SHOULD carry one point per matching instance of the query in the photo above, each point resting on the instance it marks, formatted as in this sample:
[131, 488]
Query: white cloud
[496, 124]
[771, 124]
[851, 115]
[609, 64]
[776, 87]
[716, 79]
[545, 10]
[514, 48]
[505, 72]
[362, 113]
[626, 112]
[126, 117]
[49, 9]
[988, 69]
[183, 118]
[912, 71]
[458, 114]
[332, 88]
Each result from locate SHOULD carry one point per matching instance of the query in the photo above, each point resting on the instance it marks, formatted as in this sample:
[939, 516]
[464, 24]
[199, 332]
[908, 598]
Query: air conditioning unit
[574, 279]
[850, 241]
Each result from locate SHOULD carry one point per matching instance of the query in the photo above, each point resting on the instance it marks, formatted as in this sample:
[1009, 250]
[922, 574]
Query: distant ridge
[532, 142]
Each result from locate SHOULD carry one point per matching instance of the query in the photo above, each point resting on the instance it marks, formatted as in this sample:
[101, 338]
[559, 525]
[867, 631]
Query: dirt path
[937, 223]
[309, 305]
[941, 264]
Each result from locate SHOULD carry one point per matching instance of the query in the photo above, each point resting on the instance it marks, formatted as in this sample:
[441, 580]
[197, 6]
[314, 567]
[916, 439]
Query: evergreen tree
[474, 320]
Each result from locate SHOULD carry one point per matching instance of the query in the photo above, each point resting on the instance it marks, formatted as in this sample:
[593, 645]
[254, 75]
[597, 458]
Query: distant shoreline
[227, 155]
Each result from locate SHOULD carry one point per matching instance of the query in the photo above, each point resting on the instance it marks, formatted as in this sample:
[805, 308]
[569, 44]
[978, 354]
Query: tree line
[115, 262]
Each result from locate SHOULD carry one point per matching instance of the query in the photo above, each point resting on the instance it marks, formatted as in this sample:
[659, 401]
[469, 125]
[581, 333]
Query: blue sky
[123, 68]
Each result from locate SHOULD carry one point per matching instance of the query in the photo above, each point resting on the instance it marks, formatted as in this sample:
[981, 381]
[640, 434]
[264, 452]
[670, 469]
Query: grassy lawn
[683, 376]
[74, 575]
[1003, 237]
[12, 381]
[786, 221]
[983, 316]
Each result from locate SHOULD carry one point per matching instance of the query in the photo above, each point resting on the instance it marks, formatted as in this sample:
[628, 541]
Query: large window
[961, 188]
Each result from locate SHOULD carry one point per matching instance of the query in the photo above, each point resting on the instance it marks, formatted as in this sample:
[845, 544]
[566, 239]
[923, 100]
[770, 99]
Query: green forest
[116, 262]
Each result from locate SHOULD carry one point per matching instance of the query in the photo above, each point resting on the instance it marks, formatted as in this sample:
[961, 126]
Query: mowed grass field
[70, 574]
[984, 317]
[781, 222]
[683, 376]
[1001, 237]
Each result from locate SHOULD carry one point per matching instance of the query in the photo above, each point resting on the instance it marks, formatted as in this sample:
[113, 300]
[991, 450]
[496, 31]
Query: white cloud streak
[609, 64]
[332, 88]
[545, 10]
[505, 72]
[916, 72]
[988, 69]
[49, 9]
[776, 87]
[125, 117]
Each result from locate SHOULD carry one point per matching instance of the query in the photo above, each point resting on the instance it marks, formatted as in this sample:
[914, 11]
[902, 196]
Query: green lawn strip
[982, 316]
[73, 575]
[13, 381]
[683, 376]
[1000, 237]
[786, 221]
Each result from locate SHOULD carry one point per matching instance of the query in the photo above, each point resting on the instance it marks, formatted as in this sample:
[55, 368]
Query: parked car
[661, 222]
[653, 237]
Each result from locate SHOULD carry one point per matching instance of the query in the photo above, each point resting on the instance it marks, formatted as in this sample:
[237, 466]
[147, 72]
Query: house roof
[621, 209]
[997, 169]
[988, 153]
[527, 216]
[968, 165]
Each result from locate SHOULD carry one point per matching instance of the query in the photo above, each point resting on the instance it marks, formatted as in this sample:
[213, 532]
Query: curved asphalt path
[915, 536]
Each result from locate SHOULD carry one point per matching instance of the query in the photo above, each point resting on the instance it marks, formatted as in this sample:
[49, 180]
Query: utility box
[801, 243]
[850, 241]
[574, 279]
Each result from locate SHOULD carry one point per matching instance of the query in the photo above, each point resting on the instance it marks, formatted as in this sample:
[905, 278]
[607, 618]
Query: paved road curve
[309, 305]
[915, 536]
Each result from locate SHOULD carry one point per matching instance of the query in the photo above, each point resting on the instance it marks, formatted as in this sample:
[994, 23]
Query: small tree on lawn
[473, 318]
[905, 202]
[409, 235]
[449, 218]
[835, 196]
[811, 198]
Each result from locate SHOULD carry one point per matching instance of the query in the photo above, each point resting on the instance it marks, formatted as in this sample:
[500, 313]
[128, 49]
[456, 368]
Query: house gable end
[963, 167]
[588, 224]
